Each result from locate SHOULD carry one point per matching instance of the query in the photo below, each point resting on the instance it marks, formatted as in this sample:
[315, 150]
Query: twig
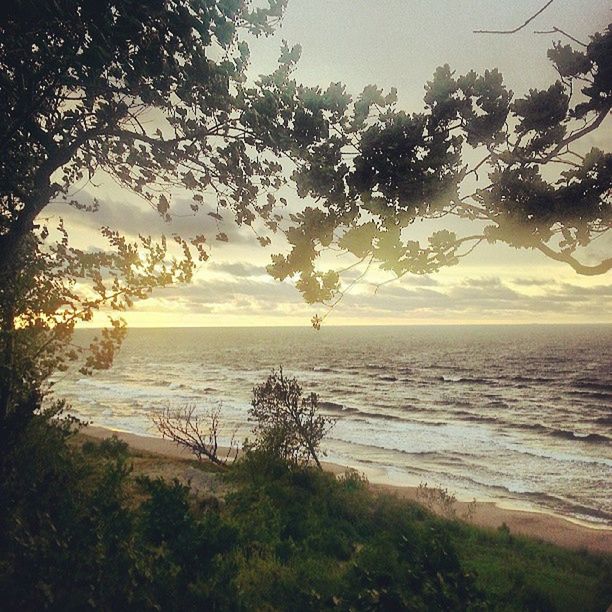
[557, 30]
[519, 27]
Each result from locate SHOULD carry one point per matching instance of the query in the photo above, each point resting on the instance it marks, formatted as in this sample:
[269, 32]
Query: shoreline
[541, 525]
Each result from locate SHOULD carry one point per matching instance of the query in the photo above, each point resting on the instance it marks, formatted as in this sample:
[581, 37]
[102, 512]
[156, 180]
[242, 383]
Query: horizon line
[336, 325]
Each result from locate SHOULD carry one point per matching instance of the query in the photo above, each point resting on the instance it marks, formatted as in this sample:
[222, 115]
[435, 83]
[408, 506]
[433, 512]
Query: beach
[516, 416]
[540, 525]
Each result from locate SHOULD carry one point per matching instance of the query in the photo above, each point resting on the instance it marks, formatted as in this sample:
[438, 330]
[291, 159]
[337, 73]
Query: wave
[594, 385]
[496, 403]
[566, 434]
[383, 417]
[595, 438]
[591, 394]
[340, 408]
[531, 379]
[559, 456]
[572, 435]
[470, 416]
[607, 420]
[562, 505]
[452, 368]
[455, 402]
[466, 380]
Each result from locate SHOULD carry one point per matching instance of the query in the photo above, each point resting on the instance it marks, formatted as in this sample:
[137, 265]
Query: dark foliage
[287, 425]
[78, 532]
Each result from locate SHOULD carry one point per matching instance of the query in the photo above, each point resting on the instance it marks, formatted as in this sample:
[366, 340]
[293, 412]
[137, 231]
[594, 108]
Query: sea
[519, 415]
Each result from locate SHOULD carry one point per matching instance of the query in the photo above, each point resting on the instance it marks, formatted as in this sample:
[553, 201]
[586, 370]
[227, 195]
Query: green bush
[78, 532]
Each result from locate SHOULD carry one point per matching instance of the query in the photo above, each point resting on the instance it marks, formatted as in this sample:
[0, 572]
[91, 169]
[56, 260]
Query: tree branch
[600, 268]
[557, 30]
[571, 138]
[519, 27]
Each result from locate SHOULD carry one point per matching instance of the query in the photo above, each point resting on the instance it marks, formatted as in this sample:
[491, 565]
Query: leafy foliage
[131, 92]
[44, 301]
[77, 531]
[537, 185]
[287, 425]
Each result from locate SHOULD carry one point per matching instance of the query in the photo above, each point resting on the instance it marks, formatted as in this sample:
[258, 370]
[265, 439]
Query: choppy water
[521, 414]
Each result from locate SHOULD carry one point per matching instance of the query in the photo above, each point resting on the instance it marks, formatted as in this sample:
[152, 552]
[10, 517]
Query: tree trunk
[7, 333]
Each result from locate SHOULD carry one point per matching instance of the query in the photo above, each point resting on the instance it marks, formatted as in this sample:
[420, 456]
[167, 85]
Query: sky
[393, 43]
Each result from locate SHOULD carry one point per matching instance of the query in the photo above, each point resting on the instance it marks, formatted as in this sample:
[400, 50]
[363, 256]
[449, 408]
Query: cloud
[484, 282]
[424, 281]
[133, 219]
[244, 289]
[578, 291]
[242, 285]
[486, 292]
[532, 282]
[267, 292]
[237, 269]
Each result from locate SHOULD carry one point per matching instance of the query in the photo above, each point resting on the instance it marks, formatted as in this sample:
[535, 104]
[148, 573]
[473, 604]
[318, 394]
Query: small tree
[198, 433]
[286, 424]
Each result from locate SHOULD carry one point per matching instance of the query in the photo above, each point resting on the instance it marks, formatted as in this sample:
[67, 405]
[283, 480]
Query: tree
[130, 90]
[198, 433]
[537, 184]
[287, 425]
[155, 95]
[78, 79]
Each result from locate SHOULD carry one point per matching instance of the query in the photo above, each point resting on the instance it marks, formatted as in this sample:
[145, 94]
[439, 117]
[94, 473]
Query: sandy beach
[541, 525]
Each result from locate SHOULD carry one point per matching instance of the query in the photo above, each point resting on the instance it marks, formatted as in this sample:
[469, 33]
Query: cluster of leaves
[77, 80]
[133, 92]
[383, 169]
[48, 289]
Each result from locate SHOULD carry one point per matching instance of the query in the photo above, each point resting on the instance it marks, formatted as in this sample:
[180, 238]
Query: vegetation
[77, 80]
[287, 425]
[198, 433]
[130, 90]
[80, 530]
[132, 93]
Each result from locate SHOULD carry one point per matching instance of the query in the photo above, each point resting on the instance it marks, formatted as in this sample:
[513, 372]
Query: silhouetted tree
[287, 425]
[155, 95]
[538, 183]
[130, 90]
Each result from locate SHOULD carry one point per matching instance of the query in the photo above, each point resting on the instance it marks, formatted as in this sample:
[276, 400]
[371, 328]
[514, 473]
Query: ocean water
[517, 414]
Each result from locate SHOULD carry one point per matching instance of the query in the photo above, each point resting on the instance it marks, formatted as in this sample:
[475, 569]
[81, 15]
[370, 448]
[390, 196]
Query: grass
[309, 541]
[523, 573]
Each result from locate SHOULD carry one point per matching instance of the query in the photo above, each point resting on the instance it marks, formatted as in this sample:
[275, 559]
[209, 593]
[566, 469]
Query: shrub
[287, 425]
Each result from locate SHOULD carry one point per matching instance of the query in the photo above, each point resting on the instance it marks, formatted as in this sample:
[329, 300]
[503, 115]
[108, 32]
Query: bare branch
[519, 27]
[198, 433]
[595, 270]
[556, 30]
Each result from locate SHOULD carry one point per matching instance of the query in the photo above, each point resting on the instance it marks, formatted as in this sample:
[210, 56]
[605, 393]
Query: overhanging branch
[595, 270]
[517, 29]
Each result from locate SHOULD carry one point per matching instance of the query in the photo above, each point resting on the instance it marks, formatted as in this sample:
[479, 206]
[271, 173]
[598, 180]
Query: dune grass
[97, 525]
